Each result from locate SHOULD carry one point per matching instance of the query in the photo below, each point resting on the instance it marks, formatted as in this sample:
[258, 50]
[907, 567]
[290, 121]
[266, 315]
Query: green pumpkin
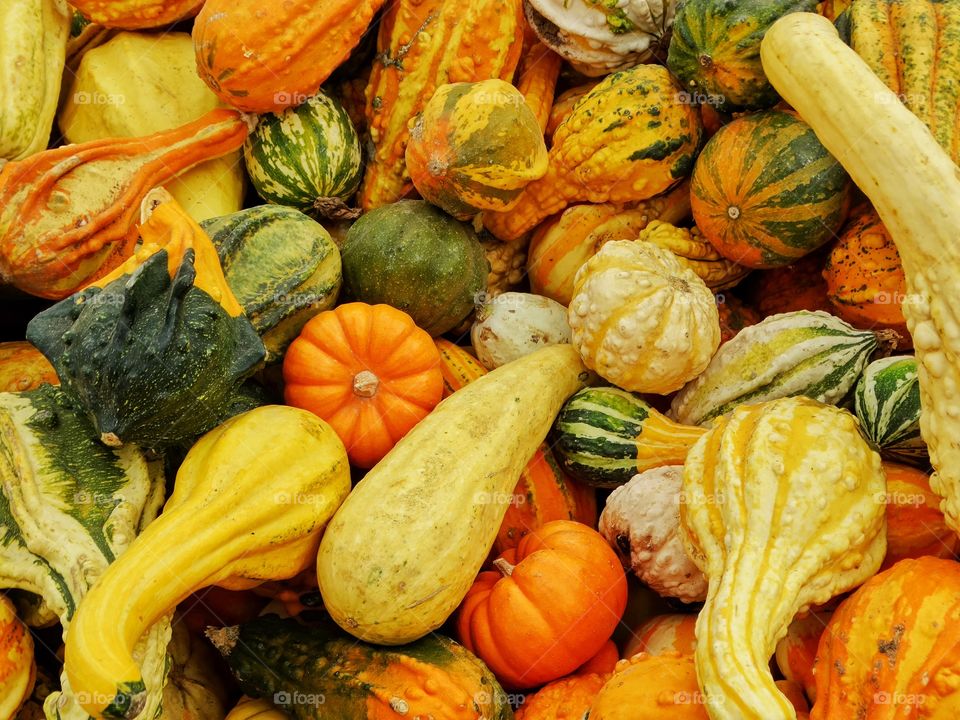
[306, 157]
[153, 360]
[415, 257]
[282, 266]
[318, 671]
[887, 403]
[715, 50]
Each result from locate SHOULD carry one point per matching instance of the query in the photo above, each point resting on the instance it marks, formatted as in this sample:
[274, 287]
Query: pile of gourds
[510, 359]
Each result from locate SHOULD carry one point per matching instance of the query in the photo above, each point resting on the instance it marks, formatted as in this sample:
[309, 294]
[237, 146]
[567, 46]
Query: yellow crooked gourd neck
[915, 188]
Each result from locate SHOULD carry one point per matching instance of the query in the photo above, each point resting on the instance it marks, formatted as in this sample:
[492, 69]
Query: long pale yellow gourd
[782, 507]
[915, 187]
[402, 551]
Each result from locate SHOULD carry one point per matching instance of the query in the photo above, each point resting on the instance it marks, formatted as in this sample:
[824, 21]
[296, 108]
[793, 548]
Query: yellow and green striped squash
[887, 403]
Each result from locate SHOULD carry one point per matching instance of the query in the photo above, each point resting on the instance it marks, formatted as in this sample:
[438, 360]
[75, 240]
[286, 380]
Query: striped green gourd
[307, 157]
[797, 353]
[69, 506]
[887, 402]
[604, 436]
[282, 266]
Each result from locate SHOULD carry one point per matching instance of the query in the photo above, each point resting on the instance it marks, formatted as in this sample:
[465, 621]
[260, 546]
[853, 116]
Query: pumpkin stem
[333, 208]
[223, 639]
[505, 568]
[110, 439]
[887, 343]
[365, 384]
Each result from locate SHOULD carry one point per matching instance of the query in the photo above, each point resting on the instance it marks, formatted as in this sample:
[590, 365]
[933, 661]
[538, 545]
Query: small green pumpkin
[283, 268]
[307, 157]
[417, 258]
[887, 403]
[153, 359]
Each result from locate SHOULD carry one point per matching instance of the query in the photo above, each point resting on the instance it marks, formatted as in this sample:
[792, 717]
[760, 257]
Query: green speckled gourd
[318, 671]
[307, 157]
[715, 50]
[887, 403]
[68, 507]
[797, 353]
[604, 436]
[153, 359]
[282, 266]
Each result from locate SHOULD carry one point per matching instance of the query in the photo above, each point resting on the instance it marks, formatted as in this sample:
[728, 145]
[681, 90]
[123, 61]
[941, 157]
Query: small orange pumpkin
[915, 525]
[23, 367]
[799, 286]
[369, 371]
[549, 607]
[651, 687]
[603, 663]
[567, 699]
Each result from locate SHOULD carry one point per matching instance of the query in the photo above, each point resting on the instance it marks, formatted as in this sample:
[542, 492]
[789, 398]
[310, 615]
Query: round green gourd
[415, 257]
[887, 403]
[282, 266]
[307, 157]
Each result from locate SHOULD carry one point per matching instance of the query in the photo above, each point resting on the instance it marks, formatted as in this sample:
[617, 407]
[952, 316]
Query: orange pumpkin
[603, 663]
[136, 14]
[567, 699]
[915, 525]
[369, 371]
[544, 492]
[550, 605]
[23, 367]
[799, 286]
[797, 650]
[651, 687]
[663, 634]
[865, 281]
[563, 106]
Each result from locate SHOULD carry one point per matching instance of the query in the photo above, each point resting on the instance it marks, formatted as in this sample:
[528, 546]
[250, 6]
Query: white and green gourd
[887, 403]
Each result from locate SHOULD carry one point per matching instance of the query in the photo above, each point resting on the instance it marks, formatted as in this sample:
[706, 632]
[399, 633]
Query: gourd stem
[365, 384]
[504, 567]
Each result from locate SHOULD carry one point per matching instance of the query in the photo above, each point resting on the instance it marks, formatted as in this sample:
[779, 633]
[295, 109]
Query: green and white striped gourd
[798, 353]
[69, 506]
[604, 436]
[307, 157]
[282, 266]
[887, 403]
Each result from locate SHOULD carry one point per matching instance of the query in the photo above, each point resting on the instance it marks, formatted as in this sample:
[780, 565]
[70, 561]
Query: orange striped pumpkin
[765, 191]
[915, 525]
[662, 634]
[544, 492]
[797, 651]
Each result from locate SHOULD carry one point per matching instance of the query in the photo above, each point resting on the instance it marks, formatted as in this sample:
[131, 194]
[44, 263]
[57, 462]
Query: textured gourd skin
[23, 367]
[31, 65]
[251, 531]
[912, 48]
[463, 461]
[62, 227]
[195, 689]
[262, 60]
[537, 76]
[316, 671]
[562, 244]
[423, 44]
[715, 50]
[915, 525]
[515, 324]
[641, 319]
[651, 687]
[918, 202]
[474, 147]
[799, 353]
[627, 140]
[565, 699]
[782, 508]
[17, 667]
[695, 252]
[136, 14]
[139, 83]
[892, 648]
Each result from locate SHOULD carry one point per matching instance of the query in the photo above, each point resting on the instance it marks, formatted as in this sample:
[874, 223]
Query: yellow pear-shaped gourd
[782, 507]
[249, 504]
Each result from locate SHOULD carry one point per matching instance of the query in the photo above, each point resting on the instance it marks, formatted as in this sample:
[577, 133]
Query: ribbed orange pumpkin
[797, 650]
[369, 371]
[663, 634]
[549, 607]
[265, 57]
[865, 281]
[23, 367]
[136, 14]
[62, 226]
[892, 649]
[651, 687]
[544, 492]
[915, 525]
[566, 699]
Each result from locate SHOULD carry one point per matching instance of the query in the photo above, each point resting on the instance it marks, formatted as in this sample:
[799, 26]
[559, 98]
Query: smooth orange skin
[915, 525]
[664, 634]
[566, 699]
[603, 663]
[322, 363]
[652, 687]
[556, 610]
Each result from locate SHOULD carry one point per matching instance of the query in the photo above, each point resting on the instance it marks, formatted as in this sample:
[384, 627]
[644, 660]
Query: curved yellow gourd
[250, 709]
[782, 507]
[249, 504]
[914, 186]
[401, 553]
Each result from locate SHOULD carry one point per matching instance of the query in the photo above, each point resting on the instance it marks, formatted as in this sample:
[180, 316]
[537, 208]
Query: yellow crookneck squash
[782, 508]
[915, 188]
[249, 504]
